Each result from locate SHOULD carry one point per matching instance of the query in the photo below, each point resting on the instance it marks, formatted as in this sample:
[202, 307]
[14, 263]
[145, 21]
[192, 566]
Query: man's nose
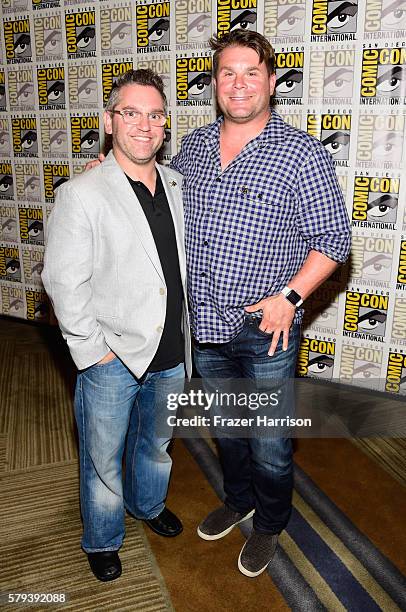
[239, 81]
[144, 123]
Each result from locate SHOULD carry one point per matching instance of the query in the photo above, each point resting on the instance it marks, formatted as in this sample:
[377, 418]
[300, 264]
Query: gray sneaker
[220, 522]
[257, 553]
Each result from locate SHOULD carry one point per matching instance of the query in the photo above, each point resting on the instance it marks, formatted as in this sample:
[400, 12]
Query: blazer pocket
[111, 322]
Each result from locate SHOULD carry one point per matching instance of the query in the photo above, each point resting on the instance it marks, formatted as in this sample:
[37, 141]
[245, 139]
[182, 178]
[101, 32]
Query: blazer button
[162, 291]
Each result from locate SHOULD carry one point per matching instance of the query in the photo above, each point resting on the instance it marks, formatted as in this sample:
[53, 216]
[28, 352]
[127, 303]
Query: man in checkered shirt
[266, 224]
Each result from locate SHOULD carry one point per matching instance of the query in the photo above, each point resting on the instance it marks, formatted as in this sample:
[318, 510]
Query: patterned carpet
[323, 561]
[39, 501]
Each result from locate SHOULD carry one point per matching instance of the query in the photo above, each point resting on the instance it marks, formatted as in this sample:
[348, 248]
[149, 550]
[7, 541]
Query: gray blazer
[102, 270]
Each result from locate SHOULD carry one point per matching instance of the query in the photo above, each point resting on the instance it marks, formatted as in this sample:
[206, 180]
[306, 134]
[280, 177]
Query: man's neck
[244, 132]
[234, 137]
[145, 173]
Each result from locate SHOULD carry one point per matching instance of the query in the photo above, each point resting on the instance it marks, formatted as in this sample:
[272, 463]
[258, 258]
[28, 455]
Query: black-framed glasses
[133, 117]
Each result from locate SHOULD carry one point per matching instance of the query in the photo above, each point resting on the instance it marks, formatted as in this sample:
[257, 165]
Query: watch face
[294, 297]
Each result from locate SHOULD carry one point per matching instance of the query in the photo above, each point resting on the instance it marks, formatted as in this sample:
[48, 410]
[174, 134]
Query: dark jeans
[258, 472]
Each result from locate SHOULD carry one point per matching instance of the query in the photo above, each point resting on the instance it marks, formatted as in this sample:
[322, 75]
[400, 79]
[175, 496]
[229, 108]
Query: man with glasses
[115, 271]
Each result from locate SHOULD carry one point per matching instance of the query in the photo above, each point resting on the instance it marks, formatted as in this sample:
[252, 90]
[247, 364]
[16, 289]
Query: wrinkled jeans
[258, 472]
[115, 412]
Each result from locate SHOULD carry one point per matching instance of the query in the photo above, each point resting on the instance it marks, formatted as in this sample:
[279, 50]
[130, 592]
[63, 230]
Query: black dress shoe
[105, 565]
[165, 524]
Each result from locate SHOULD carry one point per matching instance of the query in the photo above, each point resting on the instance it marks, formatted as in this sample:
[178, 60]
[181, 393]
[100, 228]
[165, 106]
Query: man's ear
[272, 83]
[108, 122]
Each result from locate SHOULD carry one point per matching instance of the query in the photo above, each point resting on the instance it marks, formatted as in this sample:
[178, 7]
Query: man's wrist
[292, 296]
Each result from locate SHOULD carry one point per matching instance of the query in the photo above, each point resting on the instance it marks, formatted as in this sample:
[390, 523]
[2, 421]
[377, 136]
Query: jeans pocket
[103, 365]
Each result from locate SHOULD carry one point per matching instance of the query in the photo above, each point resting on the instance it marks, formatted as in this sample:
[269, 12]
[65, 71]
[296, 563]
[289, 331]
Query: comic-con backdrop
[341, 76]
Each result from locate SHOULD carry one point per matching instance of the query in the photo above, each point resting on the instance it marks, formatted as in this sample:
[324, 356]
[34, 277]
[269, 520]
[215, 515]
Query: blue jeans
[258, 472]
[116, 411]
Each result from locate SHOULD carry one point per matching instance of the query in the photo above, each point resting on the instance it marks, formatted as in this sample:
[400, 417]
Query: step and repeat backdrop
[341, 76]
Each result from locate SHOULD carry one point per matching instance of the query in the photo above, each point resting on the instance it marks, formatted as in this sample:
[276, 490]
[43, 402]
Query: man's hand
[109, 357]
[95, 162]
[277, 318]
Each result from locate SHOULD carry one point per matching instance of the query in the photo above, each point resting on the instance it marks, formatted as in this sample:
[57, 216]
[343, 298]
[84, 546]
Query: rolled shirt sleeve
[322, 215]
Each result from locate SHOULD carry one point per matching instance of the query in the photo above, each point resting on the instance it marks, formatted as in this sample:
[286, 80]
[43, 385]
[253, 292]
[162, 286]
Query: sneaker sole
[217, 536]
[246, 572]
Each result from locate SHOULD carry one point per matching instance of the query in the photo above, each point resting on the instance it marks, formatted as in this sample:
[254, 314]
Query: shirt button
[203, 274]
[160, 329]
[202, 303]
[162, 291]
[206, 243]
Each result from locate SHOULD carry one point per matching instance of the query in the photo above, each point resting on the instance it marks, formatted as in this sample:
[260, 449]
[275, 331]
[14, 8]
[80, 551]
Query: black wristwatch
[292, 296]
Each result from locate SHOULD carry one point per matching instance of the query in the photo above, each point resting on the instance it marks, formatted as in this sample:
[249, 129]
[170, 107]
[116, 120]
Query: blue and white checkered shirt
[250, 227]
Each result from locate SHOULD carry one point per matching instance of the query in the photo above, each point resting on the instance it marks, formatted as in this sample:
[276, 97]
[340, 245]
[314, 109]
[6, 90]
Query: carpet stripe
[389, 453]
[6, 374]
[378, 566]
[310, 574]
[41, 426]
[343, 583]
[381, 598]
[3, 452]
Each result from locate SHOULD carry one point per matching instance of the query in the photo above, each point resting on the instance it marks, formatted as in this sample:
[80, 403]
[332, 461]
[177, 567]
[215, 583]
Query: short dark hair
[244, 38]
[136, 77]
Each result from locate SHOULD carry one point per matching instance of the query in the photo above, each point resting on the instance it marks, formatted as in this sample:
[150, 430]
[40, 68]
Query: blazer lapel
[123, 195]
[173, 192]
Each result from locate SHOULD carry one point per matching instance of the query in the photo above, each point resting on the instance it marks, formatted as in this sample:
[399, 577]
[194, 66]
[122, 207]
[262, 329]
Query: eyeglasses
[133, 117]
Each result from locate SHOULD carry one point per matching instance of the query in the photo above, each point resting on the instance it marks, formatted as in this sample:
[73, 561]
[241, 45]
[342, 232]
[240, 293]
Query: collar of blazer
[121, 192]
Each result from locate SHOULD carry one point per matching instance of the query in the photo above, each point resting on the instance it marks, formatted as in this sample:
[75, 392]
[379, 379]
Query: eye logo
[383, 74]
[361, 364]
[289, 74]
[54, 176]
[8, 229]
[31, 225]
[197, 85]
[338, 83]
[291, 20]
[387, 146]
[85, 136]
[193, 80]
[6, 186]
[316, 358]
[198, 27]
[336, 143]
[365, 314]
[89, 140]
[37, 305]
[53, 42]
[389, 15]
[244, 20]
[10, 266]
[153, 31]
[371, 320]
[17, 40]
[236, 14]
[80, 34]
[332, 17]
[342, 17]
